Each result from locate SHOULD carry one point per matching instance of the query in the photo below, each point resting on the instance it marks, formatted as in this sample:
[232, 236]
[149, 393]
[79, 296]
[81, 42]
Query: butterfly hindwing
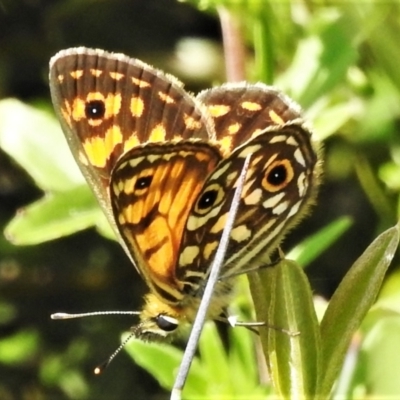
[241, 111]
[278, 187]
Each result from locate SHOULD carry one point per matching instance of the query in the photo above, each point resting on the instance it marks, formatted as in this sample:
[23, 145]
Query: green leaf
[216, 374]
[55, 215]
[322, 59]
[283, 299]
[162, 360]
[328, 119]
[19, 348]
[380, 367]
[34, 139]
[309, 249]
[350, 303]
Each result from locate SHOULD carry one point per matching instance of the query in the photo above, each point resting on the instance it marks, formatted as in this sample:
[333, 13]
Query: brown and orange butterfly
[164, 166]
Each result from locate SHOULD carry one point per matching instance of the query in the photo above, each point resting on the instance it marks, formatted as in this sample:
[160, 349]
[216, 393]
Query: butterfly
[164, 165]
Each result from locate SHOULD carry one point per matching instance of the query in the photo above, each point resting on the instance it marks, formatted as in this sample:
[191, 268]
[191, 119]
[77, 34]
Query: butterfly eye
[212, 196]
[166, 323]
[95, 109]
[278, 175]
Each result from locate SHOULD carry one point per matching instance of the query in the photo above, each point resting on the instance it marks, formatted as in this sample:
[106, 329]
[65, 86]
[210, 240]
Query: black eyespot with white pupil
[211, 197]
[207, 199]
[278, 175]
[143, 182]
[95, 109]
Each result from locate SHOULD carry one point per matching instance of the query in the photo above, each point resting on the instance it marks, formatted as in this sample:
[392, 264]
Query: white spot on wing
[188, 254]
[302, 184]
[273, 201]
[253, 198]
[292, 141]
[279, 209]
[294, 210]
[240, 233]
[299, 157]
[277, 139]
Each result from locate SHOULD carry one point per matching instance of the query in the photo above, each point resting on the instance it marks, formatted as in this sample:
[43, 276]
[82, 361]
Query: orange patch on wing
[113, 104]
[166, 98]
[226, 142]
[130, 212]
[177, 168]
[95, 96]
[190, 122]
[234, 128]
[137, 106]
[78, 109]
[276, 118]
[60, 78]
[182, 201]
[140, 83]
[218, 110]
[77, 73]
[116, 75]
[202, 156]
[98, 150]
[66, 113]
[251, 106]
[158, 236]
[132, 142]
[96, 72]
[157, 134]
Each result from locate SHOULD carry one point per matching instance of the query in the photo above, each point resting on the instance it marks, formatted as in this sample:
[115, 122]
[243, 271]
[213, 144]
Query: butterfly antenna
[100, 368]
[215, 269]
[61, 315]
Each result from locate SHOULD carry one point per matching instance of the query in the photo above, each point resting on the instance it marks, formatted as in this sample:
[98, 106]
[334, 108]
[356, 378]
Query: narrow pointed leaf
[351, 301]
[283, 299]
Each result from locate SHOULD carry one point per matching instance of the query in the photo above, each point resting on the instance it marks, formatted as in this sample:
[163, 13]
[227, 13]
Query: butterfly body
[164, 166]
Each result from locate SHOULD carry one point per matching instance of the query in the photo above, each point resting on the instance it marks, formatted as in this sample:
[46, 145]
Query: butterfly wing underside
[109, 103]
[152, 190]
[279, 185]
[241, 111]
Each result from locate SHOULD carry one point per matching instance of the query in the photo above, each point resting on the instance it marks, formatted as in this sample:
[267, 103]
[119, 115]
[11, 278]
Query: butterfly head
[158, 321]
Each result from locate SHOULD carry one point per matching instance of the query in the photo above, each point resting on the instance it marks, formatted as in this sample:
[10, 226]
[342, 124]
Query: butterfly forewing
[278, 186]
[152, 190]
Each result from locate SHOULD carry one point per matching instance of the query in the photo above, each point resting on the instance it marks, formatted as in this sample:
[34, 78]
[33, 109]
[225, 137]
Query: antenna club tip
[100, 368]
[97, 371]
[59, 315]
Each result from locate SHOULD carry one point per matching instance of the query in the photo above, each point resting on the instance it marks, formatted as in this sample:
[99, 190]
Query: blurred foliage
[337, 59]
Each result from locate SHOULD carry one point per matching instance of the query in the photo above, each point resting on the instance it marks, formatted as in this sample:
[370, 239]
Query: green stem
[263, 50]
